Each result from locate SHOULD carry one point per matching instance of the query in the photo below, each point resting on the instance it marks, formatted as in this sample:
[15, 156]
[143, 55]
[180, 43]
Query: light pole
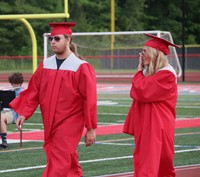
[112, 30]
[183, 40]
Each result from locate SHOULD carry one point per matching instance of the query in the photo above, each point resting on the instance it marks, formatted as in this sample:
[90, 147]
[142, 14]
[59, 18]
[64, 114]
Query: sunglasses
[56, 38]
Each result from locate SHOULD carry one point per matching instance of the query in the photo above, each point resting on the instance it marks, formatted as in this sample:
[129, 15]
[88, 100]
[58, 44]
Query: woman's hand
[90, 137]
[140, 64]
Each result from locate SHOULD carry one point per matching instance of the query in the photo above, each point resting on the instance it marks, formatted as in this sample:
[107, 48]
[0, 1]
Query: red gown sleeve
[27, 102]
[154, 88]
[87, 88]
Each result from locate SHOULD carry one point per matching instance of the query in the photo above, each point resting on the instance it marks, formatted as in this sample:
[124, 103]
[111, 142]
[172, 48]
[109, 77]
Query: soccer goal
[115, 52]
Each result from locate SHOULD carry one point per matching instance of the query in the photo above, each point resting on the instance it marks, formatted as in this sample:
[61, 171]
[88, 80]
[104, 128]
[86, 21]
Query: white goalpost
[114, 52]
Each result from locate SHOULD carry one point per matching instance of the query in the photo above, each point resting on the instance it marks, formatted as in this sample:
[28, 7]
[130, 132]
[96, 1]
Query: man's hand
[19, 122]
[90, 137]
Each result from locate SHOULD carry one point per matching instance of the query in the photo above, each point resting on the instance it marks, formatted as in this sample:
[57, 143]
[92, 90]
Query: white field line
[96, 160]
[116, 144]
[118, 114]
[185, 134]
[112, 114]
[33, 123]
[132, 144]
[194, 107]
[128, 105]
[188, 167]
[109, 142]
[108, 123]
[87, 161]
[125, 174]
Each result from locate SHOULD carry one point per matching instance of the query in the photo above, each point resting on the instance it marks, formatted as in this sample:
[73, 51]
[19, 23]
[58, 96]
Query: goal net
[115, 52]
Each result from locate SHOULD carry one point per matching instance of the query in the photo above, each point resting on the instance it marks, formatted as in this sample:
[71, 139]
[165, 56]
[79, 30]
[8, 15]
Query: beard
[59, 51]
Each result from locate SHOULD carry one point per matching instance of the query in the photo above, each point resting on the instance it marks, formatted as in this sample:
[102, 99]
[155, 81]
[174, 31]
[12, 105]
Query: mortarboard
[61, 27]
[159, 44]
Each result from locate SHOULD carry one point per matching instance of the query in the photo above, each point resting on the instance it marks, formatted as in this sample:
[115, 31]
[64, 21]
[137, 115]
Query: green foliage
[95, 16]
[164, 15]
[129, 15]
[92, 16]
[192, 21]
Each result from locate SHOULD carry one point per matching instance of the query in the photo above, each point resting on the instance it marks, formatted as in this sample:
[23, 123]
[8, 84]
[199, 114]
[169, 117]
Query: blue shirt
[17, 92]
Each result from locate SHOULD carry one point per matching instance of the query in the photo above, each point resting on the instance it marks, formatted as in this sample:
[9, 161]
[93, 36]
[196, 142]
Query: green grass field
[111, 153]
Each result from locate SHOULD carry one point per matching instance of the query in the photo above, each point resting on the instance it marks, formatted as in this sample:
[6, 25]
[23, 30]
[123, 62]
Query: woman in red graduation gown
[65, 88]
[151, 118]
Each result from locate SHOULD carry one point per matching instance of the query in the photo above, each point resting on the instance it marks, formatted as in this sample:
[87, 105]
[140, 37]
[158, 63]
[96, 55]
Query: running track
[184, 171]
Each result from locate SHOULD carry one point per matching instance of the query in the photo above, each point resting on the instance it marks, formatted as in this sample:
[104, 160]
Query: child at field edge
[10, 116]
[151, 118]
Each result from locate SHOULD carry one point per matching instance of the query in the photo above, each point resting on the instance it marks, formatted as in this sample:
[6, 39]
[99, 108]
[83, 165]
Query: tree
[192, 23]
[95, 16]
[167, 15]
[90, 15]
[14, 35]
[129, 15]
[163, 15]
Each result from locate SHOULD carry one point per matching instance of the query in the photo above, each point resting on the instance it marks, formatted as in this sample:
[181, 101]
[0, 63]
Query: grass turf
[104, 157]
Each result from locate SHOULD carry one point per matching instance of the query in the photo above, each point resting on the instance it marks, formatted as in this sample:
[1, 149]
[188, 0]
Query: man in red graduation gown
[64, 86]
[151, 118]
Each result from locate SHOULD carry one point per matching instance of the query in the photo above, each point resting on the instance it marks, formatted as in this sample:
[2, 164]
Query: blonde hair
[158, 60]
[73, 46]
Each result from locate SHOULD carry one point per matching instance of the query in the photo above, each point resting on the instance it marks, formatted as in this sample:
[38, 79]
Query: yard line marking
[132, 144]
[128, 98]
[22, 169]
[31, 130]
[187, 150]
[33, 123]
[84, 161]
[108, 123]
[106, 159]
[98, 142]
[187, 146]
[118, 144]
[114, 114]
[22, 149]
[190, 133]
[193, 107]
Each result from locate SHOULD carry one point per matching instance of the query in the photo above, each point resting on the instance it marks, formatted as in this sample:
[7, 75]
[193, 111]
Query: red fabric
[67, 101]
[61, 27]
[159, 44]
[151, 120]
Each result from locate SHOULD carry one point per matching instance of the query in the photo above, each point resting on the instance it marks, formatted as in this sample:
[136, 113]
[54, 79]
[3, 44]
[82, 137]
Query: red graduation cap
[61, 27]
[159, 44]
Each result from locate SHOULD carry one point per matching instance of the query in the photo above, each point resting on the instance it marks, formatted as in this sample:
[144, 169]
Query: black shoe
[1, 148]
[4, 145]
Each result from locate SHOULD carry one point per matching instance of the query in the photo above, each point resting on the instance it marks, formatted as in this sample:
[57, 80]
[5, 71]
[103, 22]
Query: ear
[69, 37]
